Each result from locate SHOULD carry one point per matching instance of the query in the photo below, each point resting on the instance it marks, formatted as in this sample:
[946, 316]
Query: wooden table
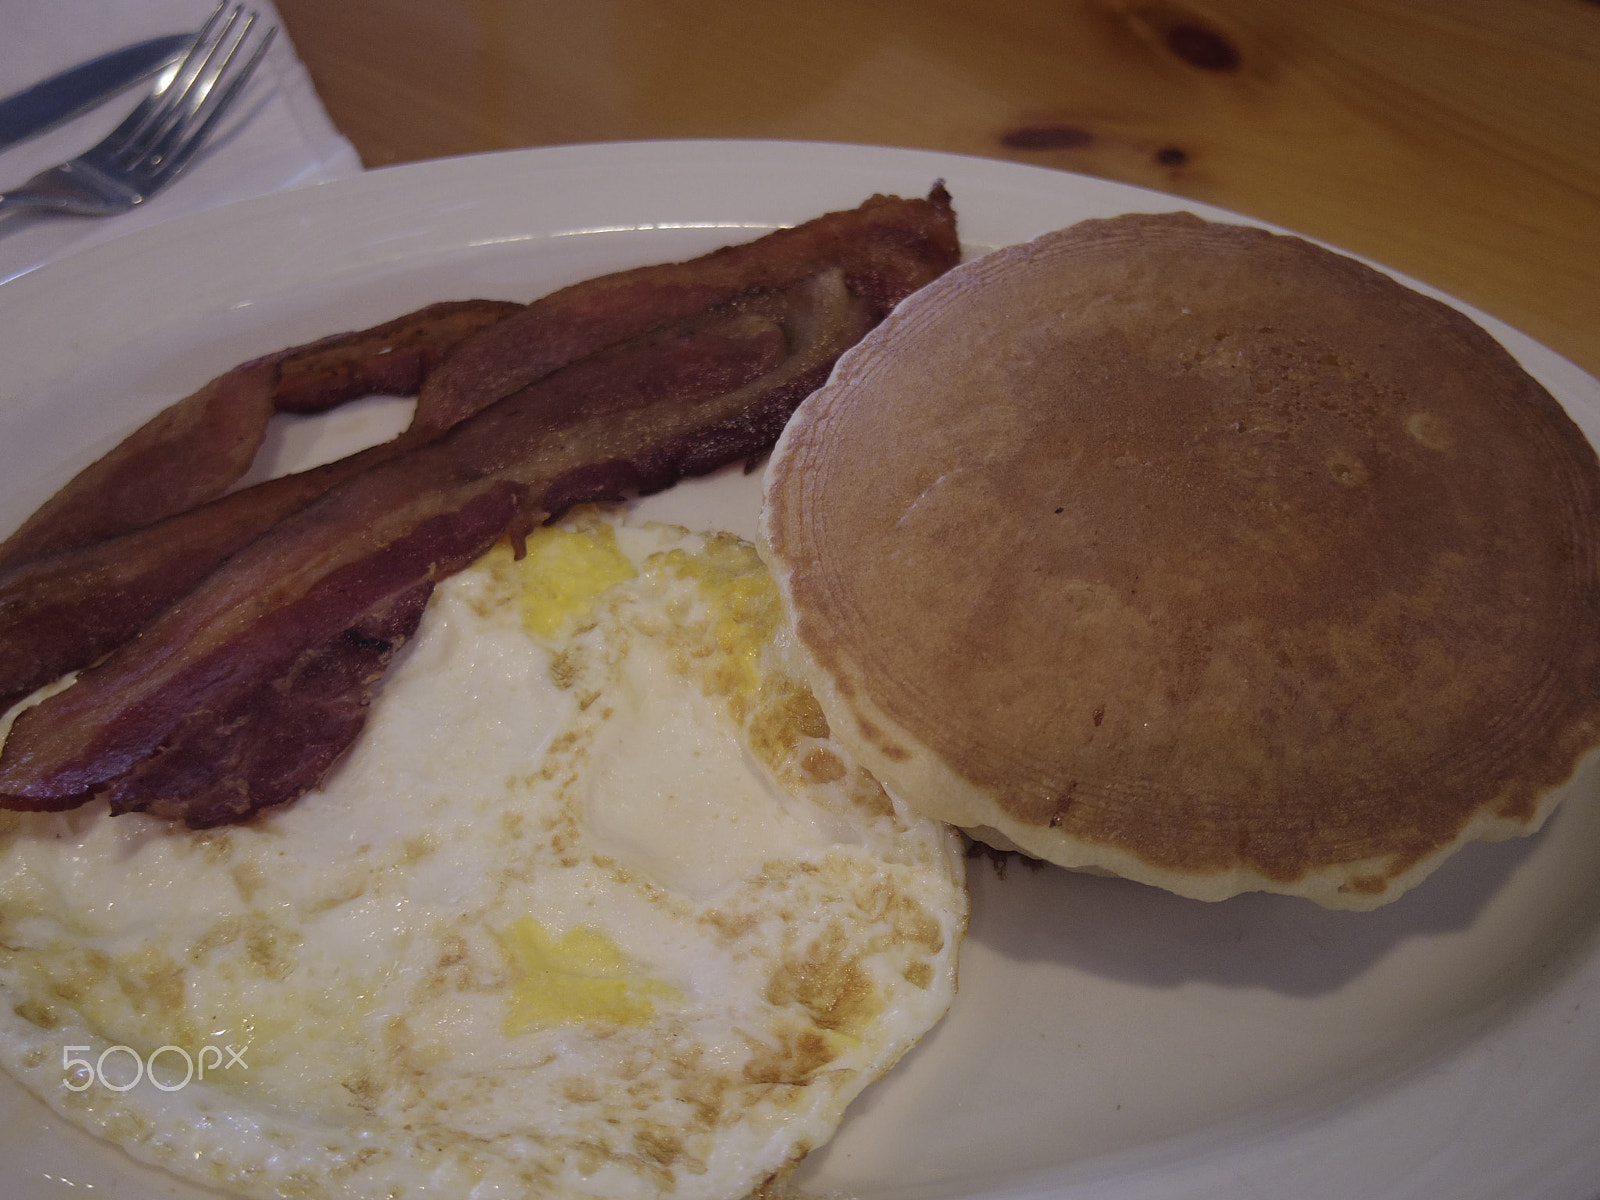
[1455, 140]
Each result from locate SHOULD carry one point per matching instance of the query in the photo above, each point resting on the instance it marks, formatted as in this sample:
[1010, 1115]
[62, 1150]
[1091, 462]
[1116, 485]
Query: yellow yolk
[582, 977]
[563, 573]
[741, 594]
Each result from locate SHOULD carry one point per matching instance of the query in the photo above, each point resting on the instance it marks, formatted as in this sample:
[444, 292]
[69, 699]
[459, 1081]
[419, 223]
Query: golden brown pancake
[1200, 555]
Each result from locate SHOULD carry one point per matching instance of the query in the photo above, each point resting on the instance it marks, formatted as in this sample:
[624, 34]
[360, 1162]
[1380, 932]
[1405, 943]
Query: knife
[35, 109]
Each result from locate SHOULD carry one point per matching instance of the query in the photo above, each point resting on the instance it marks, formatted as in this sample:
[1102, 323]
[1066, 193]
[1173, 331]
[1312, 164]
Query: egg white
[732, 929]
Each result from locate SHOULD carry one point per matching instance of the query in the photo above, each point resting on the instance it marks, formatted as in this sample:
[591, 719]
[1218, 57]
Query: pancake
[1199, 555]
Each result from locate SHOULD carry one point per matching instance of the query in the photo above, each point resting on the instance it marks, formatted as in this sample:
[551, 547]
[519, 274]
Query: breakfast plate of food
[711, 669]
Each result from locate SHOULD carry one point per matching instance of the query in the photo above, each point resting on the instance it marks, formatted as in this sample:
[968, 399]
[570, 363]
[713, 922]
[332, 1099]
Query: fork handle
[75, 188]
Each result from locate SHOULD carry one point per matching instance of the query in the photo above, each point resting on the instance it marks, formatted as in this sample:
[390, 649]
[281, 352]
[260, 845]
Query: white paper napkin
[276, 135]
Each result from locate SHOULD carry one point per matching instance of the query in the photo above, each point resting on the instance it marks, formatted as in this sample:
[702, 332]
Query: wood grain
[1455, 140]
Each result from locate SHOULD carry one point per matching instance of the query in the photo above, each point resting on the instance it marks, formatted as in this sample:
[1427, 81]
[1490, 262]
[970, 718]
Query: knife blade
[37, 108]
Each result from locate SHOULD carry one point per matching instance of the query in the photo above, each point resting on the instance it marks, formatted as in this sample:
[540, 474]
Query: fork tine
[164, 94]
[187, 88]
[189, 132]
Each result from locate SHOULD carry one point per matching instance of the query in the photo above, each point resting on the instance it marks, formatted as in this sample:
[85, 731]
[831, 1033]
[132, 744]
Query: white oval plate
[1110, 1041]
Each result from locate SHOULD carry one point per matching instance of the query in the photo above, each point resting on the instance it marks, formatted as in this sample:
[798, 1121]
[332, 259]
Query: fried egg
[595, 907]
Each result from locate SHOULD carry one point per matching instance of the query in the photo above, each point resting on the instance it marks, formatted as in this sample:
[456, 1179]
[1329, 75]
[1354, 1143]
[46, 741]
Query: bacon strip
[278, 739]
[184, 455]
[876, 245]
[63, 612]
[638, 416]
[195, 449]
[201, 772]
[391, 359]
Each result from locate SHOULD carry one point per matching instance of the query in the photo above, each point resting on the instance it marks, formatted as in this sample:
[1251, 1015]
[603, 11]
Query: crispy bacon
[878, 246]
[392, 359]
[179, 721]
[278, 739]
[186, 454]
[195, 449]
[65, 611]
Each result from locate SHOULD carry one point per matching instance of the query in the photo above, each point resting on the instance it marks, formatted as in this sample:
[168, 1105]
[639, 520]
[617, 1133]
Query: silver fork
[158, 139]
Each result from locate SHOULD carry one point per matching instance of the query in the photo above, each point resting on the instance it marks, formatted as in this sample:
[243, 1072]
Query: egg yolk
[744, 602]
[582, 977]
[564, 573]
